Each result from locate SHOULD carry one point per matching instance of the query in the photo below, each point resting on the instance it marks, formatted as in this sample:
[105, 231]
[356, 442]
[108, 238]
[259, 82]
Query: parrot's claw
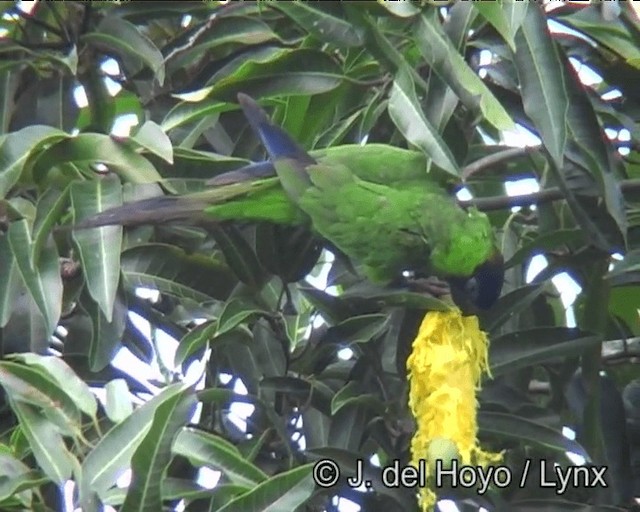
[431, 285]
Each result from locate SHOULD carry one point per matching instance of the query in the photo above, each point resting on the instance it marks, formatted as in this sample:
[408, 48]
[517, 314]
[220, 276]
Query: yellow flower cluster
[448, 357]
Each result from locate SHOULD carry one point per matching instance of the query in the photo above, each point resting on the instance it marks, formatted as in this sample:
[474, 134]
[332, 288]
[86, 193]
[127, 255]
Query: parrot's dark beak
[490, 278]
[483, 288]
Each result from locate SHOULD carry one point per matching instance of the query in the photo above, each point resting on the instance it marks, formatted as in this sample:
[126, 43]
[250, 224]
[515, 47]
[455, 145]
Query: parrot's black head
[483, 288]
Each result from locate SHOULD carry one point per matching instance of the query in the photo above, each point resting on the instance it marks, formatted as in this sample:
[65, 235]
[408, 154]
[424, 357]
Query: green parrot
[376, 203]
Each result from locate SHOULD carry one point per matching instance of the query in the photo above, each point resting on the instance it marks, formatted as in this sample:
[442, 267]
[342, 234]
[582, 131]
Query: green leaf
[441, 101]
[151, 137]
[240, 256]
[443, 56]
[545, 242]
[497, 13]
[18, 478]
[404, 109]
[203, 448]
[401, 9]
[284, 491]
[26, 329]
[10, 282]
[359, 329]
[118, 404]
[630, 263]
[623, 304]
[190, 163]
[125, 39]
[610, 34]
[591, 150]
[348, 426]
[112, 454]
[105, 336]
[194, 340]
[285, 72]
[171, 270]
[234, 313]
[51, 206]
[521, 429]
[529, 347]
[99, 249]
[153, 455]
[46, 443]
[101, 109]
[35, 387]
[176, 489]
[321, 24]
[515, 15]
[89, 149]
[333, 309]
[219, 39]
[352, 394]
[60, 373]
[292, 386]
[268, 350]
[188, 112]
[540, 73]
[42, 277]
[17, 147]
[8, 86]
[511, 303]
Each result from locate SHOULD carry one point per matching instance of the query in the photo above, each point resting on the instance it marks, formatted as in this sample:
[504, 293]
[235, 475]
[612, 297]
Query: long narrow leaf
[42, 277]
[99, 249]
[540, 72]
[154, 453]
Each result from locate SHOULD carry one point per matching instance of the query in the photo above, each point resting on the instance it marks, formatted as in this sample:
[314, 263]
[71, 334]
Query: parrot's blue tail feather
[249, 172]
[276, 141]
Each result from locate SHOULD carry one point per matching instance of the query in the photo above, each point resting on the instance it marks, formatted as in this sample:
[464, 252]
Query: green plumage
[377, 204]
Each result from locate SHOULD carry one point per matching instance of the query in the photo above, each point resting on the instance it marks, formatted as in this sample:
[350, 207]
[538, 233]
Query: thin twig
[492, 203]
[494, 159]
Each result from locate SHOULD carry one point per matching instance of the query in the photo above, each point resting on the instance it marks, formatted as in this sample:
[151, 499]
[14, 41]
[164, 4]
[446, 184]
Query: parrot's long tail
[276, 141]
[255, 171]
[154, 210]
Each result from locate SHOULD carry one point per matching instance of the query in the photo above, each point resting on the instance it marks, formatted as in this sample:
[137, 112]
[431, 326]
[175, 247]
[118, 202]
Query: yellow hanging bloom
[447, 360]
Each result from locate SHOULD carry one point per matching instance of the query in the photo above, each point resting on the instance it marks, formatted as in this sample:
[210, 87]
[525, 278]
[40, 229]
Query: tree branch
[543, 196]
[494, 159]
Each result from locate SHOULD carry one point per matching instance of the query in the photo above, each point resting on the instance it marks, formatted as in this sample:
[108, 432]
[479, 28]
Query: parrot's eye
[472, 288]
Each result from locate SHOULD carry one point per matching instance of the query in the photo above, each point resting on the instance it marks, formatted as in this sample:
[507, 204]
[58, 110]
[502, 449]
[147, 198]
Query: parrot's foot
[431, 285]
